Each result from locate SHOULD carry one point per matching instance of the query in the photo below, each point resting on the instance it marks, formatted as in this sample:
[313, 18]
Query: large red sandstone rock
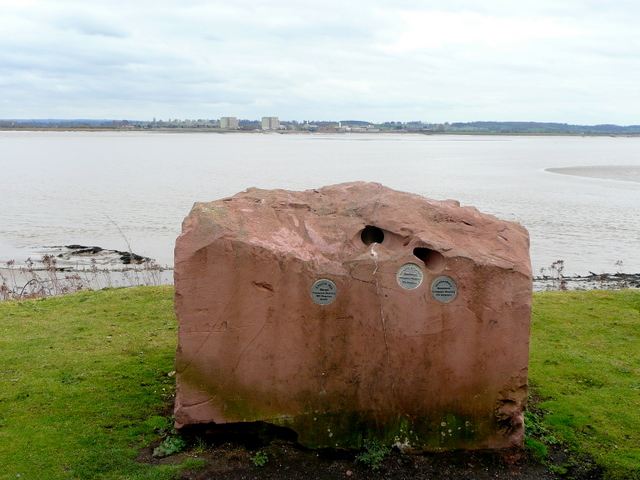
[428, 356]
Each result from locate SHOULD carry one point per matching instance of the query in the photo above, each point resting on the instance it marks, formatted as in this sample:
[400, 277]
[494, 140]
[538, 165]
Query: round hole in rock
[372, 234]
[432, 260]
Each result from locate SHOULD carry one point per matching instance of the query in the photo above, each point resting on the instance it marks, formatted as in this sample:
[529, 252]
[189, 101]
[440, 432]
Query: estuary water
[579, 197]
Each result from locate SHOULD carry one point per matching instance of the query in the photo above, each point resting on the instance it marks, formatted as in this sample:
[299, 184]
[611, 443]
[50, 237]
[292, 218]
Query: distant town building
[270, 123]
[229, 122]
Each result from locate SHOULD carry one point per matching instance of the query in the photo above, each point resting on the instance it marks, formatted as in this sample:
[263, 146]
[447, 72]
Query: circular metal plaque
[324, 291]
[410, 276]
[444, 289]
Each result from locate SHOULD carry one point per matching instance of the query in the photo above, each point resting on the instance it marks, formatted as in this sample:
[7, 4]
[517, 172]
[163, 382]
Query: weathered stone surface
[428, 365]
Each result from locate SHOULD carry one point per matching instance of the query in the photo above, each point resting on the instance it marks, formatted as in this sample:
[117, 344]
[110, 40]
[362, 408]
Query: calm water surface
[91, 188]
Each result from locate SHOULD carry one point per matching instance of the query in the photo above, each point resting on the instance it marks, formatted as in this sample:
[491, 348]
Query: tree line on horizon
[478, 127]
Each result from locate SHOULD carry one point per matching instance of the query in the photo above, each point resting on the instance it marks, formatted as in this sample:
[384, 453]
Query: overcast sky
[573, 61]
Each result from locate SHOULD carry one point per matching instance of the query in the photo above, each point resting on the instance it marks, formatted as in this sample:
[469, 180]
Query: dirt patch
[287, 461]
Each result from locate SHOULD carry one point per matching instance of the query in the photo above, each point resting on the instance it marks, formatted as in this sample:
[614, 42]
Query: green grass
[585, 364]
[84, 380]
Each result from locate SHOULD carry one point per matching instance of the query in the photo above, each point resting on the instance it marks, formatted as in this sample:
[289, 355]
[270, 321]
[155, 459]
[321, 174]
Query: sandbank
[625, 173]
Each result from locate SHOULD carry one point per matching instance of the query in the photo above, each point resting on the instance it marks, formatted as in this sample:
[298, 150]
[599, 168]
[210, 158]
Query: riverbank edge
[22, 282]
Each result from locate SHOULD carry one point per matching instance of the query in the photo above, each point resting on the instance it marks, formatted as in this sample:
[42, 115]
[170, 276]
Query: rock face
[354, 312]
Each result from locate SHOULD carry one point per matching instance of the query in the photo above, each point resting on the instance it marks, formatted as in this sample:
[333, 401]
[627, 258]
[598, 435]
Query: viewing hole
[372, 234]
[432, 260]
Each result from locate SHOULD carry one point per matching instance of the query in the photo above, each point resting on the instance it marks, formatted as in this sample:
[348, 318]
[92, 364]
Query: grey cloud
[86, 25]
[211, 58]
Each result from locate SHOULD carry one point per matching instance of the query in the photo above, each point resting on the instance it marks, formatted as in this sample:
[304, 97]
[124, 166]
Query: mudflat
[625, 173]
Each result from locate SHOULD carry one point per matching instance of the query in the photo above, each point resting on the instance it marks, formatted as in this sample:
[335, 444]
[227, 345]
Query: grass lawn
[85, 380]
[585, 365]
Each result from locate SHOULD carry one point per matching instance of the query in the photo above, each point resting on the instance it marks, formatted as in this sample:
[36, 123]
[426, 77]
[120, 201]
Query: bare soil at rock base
[289, 461]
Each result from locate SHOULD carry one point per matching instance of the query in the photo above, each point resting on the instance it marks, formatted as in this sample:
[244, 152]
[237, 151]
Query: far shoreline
[212, 130]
